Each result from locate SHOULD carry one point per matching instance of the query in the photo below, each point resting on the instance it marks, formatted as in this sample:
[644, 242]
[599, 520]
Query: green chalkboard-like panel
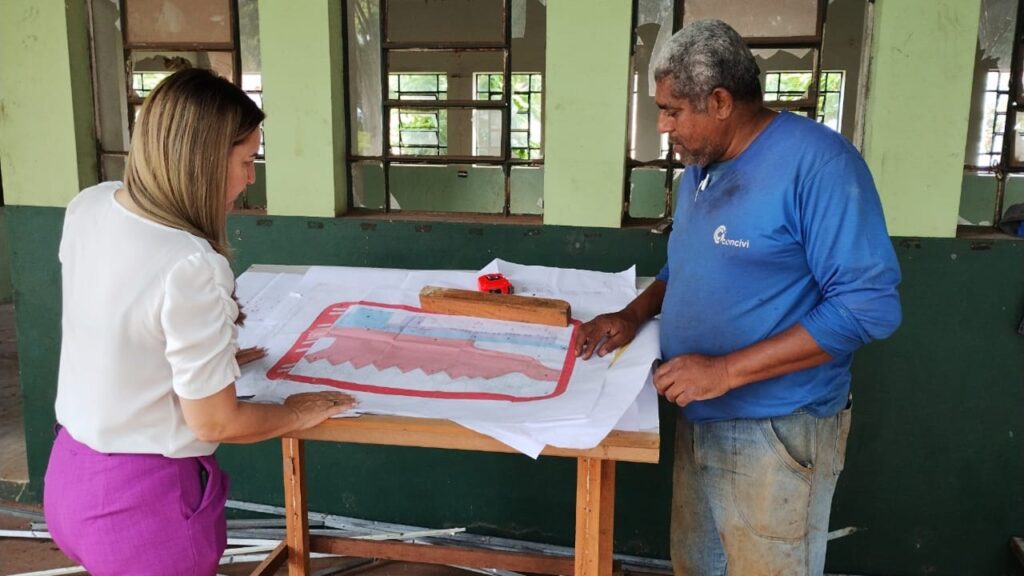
[34, 236]
[935, 463]
[935, 467]
[438, 245]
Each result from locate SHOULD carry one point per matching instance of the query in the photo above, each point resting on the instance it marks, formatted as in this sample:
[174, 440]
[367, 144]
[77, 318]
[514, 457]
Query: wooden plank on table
[595, 516]
[296, 507]
[548, 311]
[451, 555]
[273, 561]
[435, 433]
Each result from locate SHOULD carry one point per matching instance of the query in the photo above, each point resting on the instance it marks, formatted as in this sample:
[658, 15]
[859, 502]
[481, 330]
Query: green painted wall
[935, 461]
[587, 92]
[47, 142]
[919, 96]
[301, 51]
[935, 464]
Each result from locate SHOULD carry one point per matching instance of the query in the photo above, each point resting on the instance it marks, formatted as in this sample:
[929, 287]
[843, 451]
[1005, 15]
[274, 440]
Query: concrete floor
[18, 556]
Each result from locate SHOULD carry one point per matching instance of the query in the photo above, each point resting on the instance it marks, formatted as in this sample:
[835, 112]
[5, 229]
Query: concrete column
[917, 113]
[303, 67]
[586, 92]
[47, 131]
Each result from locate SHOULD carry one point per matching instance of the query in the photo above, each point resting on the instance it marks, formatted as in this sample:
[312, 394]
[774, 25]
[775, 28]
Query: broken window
[162, 36]
[792, 43]
[995, 102]
[994, 156]
[456, 86]
[138, 43]
[791, 86]
[765, 21]
[252, 67]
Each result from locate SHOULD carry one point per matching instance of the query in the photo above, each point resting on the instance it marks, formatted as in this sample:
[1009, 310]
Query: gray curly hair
[705, 55]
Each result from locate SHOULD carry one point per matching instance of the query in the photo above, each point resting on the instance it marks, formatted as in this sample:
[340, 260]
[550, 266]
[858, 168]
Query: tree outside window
[525, 130]
[792, 86]
[418, 132]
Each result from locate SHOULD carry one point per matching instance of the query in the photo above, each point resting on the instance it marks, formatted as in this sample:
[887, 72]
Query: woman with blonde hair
[148, 355]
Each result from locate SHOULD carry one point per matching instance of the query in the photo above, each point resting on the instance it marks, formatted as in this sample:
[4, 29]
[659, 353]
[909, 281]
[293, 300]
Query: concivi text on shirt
[720, 239]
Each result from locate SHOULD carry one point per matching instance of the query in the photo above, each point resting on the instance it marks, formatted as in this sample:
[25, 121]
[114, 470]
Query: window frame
[386, 158]
[128, 46]
[1007, 164]
[668, 163]
[438, 113]
[127, 121]
[529, 93]
[994, 153]
[823, 91]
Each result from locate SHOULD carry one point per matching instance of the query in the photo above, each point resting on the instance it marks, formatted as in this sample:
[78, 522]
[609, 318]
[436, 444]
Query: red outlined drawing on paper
[349, 336]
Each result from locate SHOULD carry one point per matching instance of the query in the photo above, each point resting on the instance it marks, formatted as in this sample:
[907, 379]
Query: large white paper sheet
[282, 309]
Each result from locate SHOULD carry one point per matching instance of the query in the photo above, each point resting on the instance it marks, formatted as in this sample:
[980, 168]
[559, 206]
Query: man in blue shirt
[779, 267]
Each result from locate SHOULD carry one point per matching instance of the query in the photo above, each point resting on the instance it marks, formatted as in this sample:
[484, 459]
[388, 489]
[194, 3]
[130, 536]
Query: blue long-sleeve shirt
[790, 231]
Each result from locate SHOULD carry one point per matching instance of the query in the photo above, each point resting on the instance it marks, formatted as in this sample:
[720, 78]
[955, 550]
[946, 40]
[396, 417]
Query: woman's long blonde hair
[177, 164]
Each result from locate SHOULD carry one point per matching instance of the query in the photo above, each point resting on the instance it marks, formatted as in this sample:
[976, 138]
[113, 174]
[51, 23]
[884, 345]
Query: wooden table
[595, 497]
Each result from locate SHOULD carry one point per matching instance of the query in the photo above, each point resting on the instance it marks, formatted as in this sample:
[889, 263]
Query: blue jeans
[752, 497]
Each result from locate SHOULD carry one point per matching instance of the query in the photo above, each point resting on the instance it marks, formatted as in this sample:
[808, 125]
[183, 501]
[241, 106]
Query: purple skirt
[142, 514]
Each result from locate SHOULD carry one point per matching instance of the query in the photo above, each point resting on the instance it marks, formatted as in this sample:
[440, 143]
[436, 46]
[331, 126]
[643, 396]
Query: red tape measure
[494, 283]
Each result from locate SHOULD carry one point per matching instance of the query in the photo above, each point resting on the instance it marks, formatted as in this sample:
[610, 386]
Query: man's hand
[690, 377]
[615, 329]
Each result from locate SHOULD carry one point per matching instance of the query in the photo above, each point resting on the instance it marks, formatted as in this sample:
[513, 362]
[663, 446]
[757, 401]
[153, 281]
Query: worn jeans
[752, 497]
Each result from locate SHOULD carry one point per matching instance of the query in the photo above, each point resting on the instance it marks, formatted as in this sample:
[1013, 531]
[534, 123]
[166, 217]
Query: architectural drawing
[400, 350]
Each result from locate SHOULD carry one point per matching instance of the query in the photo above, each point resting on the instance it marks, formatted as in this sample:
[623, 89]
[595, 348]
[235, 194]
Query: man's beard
[703, 156]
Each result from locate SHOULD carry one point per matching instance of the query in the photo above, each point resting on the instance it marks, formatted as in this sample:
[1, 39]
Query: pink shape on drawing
[459, 358]
[384, 350]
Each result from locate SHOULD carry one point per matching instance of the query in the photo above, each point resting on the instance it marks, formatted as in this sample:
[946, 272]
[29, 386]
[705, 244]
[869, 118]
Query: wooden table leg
[595, 515]
[296, 507]
[272, 562]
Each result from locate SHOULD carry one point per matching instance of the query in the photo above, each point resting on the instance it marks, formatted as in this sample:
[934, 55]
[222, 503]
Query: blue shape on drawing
[385, 320]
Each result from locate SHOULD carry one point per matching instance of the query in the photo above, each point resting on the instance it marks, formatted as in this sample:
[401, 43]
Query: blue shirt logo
[719, 238]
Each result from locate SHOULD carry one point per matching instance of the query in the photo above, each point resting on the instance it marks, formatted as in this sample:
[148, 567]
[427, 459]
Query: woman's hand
[221, 417]
[246, 355]
[312, 408]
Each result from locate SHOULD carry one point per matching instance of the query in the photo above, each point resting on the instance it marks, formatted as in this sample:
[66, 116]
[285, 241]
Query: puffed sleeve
[198, 318]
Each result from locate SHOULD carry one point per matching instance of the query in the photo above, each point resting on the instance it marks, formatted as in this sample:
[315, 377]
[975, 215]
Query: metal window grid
[996, 98]
[774, 92]
[808, 104]
[404, 131]
[134, 98]
[532, 96]
[1006, 161]
[387, 158]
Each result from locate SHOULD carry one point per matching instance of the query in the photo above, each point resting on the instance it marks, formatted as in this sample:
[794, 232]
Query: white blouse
[148, 318]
